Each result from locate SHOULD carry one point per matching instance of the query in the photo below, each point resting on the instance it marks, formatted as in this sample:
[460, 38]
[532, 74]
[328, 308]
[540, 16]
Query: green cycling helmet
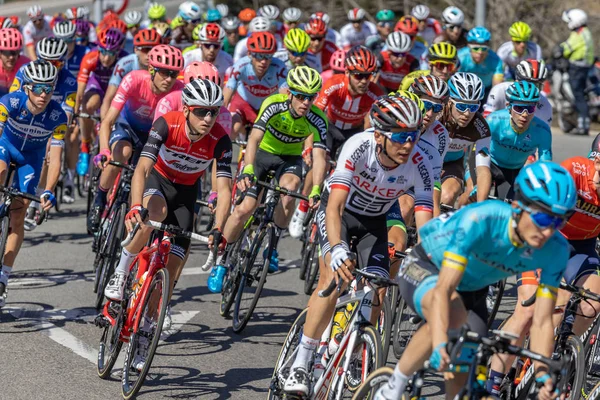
[296, 40]
[196, 32]
[385, 16]
[157, 11]
[519, 32]
[305, 80]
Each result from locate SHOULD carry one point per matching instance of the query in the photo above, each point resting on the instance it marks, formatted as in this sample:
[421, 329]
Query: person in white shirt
[356, 32]
[429, 28]
[258, 24]
[35, 29]
[518, 49]
[211, 38]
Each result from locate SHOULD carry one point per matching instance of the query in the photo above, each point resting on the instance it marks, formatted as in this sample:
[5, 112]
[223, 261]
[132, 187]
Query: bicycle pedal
[101, 321]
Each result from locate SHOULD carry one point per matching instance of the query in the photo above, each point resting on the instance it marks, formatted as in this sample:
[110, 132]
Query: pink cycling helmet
[10, 39]
[336, 62]
[201, 70]
[166, 57]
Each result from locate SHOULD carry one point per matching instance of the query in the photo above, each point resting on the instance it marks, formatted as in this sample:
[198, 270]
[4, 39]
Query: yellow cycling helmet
[519, 32]
[177, 22]
[410, 95]
[442, 51]
[196, 32]
[157, 11]
[305, 80]
[296, 40]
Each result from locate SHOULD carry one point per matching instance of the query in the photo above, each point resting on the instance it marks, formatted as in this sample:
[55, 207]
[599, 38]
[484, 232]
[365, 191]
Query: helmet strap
[381, 150]
[191, 131]
[517, 213]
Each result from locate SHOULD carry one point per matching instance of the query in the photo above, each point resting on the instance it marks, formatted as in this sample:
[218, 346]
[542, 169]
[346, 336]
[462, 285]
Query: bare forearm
[110, 94]
[437, 199]
[138, 182]
[333, 224]
[223, 206]
[319, 169]
[253, 142]
[227, 95]
[542, 340]
[54, 167]
[484, 183]
[439, 319]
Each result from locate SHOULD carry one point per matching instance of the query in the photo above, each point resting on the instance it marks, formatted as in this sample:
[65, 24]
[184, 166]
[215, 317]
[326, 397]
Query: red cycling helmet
[10, 39]
[409, 25]
[360, 59]
[261, 42]
[147, 38]
[212, 33]
[316, 26]
[15, 20]
[336, 62]
[165, 57]
[201, 70]
[6, 22]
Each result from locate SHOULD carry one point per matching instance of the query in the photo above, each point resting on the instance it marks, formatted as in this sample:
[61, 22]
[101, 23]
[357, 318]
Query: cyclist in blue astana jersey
[517, 133]
[28, 118]
[66, 31]
[477, 246]
[480, 60]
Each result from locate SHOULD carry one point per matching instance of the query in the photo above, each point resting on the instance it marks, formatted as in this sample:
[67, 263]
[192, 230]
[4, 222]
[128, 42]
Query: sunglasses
[362, 77]
[521, 108]
[68, 40]
[479, 49]
[464, 107]
[80, 40]
[385, 24]
[437, 107]
[303, 96]
[10, 53]
[544, 220]
[110, 53]
[208, 46]
[36, 20]
[398, 55]
[143, 49]
[441, 65]
[403, 137]
[202, 112]
[41, 88]
[317, 38]
[231, 32]
[297, 54]
[262, 56]
[518, 42]
[167, 73]
[452, 27]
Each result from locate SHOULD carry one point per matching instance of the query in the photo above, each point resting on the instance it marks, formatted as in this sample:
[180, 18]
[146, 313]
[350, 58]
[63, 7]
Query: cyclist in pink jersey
[131, 114]
[11, 43]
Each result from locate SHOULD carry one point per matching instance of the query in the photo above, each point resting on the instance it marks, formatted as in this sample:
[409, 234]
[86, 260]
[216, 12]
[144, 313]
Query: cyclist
[331, 34]
[477, 246]
[211, 42]
[253, 79]
[395, 62]
[231, 26]
[28, 119]
[133, 19]
[131, 113]
[291, 18]
[284, 122]
[466, 127]
[480, 60]
[374, 168]
[355, 33]
[320, 46]
[429, 28]
[385, 25]
[156, 13]
[258, 24]
[213, 16]
[83, 34]
[65, 30]
[223, 10]
[336, 65]
[246, 16]
[35, 29]
[11, 43]
[533, 71]
[442, 63]
[296, 43]
[164, 30]
[453, 32]
[271, 13]
[166, 184]
[182, 26]
[518, 49]
[81, 14]
[6, 22]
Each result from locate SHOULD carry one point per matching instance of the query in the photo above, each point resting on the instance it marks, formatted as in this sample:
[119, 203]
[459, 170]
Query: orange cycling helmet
[246, 15]
[261, 42]
[165, 57]
[360, 59]
[119, 24]
[147, 38]
[316, 26]
[409, 25]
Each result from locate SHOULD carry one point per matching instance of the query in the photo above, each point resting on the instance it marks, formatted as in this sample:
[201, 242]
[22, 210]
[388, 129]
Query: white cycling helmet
[203, 93]
[230, 23]
[356, 14]
[211, 33]
[83, 12]
[453, 16]
[292, 14]
[51, 49]
[420, 12]
[269, 11]
[190, 11]
[466, 86]
[133, 18]
[398, 42]
[34, 12]
[575, 18]
[430, 85]
[40, 71]
[223, 9]
[259, 24]
[64, 30]
[323, 16]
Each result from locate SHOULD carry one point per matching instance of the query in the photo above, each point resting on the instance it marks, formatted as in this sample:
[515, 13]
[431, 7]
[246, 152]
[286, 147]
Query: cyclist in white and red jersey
[395, 62]
[373, 170]
[429, 28]
[355, 33]
[11, 43]
[211, 49]
[253, 79]
[35, 29]
[518, 49]
[331, 34]
[320, 46]
[125, 127]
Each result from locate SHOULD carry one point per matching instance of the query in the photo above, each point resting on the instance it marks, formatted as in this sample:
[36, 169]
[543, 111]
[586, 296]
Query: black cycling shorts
[454, 169]
[265, 162]
[336, 138]
[181, 200]
[584, 260]
[505, 176]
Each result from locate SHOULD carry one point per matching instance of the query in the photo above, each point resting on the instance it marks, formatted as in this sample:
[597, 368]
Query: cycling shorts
[265, 162]
[336, 138]
[181, 201]
[371, 241]
[93, 86]
[501, 176]
[243, 109]
[394, 217]
[28, 165]
[454, 169]
[123, 131]
[584, 260]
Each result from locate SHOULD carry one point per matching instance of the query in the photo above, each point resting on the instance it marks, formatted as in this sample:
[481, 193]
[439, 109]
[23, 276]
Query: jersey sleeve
[499, 70]
[156, 138]
[28, 34]
[423, 183]
[69, 91]
[545, 145]
[233, 78]
[60, 129]
[88, 65]
[282, 76]
[118, 73]
[17, 83]
[322, 100]
[263, 118]
[466, 230]
[222, 155]
[555, 265]
[353, 153]
[4, 113]
[127, 87]
[319, 125]
[491, 104]
[483, 144]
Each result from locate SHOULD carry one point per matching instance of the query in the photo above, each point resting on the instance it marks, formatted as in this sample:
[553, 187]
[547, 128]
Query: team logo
[54, 115]
[14, 102]
[60, 132]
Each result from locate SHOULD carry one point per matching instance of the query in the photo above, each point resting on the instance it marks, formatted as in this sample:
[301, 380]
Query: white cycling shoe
[297, 382]
[141, 354]
[296, 227]
[168, 321]
[116, 287]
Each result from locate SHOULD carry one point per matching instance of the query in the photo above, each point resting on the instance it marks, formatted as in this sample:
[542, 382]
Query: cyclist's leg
[291, 176]
[452, 181]
[91, 103]
[407, 206]
[242, 114]
[396, 233]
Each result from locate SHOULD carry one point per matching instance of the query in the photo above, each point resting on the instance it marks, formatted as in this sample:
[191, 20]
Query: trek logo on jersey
[182, 162]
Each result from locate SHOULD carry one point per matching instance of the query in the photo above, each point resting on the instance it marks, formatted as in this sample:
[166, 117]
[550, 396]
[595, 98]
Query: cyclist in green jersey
[276, 142]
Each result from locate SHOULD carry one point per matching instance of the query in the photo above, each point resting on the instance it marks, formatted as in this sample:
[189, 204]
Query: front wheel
[493, 300]
[373, 383]
[110, 345]
[312, 268]
[575, 377]
[235, 261]
[404, 327]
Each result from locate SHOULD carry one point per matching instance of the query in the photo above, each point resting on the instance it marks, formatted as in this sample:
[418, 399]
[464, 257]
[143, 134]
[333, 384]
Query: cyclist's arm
[79, 97]
[108, 97]
[542, 327]
[106, 127]
[254, 140]
[227, 95]
[423, 192]
[319, 169]
[30, 52]
[231, 86]
[223, 153]
[545, 146]
[333, 214]
[156, 138]
[482, 166]
[56, 148]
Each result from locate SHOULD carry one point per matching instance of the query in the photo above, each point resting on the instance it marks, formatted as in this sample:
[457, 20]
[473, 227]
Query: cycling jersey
[585, 223]
[351, 37]
[462, 139]
[373, 188]
[7, 77]
[344, 110]
[410, 78]
[222, 62]
[510, 149]
[509, 57]
[431, 31]
[460, 43]
[311, 60]
[136, 101]
[124, 66]
[579, 47]
[228, 47]
[326, 75]
[497, 101]
[421, 53]
[254, 90]
[31, 35]
[27, 132]
[91, 67]
[477, 239]
[333, 37]
[285, 134]
[390, 77]
[174, 102]
[73, 63]
[375, 43]
[434, 143]
[486, 70]
[64, 93]
[322, 57]
[179, 159]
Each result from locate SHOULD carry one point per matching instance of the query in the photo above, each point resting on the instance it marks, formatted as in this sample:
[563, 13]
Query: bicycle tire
[292, 340]
[312, 269]
[268, 233]
[306, 242]
[498, 299]
[59, 195]
[4, 228]
[130, 391]
[373, 382]
[577, 373]
[80, 182]
[594, 393]
[404, 329]
[231, 282]
[114, 250]
[591, 348]
[113, 334]
[385, 328]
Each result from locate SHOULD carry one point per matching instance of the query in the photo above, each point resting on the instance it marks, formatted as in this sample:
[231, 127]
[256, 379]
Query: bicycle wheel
[384, 326]
[312, 269]
[498, 292]
[575, 377]
[110, 345]
[157, 294]
[308, 238]
[365, 358]
[254, 275]
[286, 357]
[594, 393]
[373, 382]
[591, 348]
[235, 260]
[404, 328]
[4, 228]
[114, 237]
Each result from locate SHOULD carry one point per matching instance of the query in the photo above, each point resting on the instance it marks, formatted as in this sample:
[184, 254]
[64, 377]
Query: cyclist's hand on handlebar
[134, 217]
[101, 159]
[439, 359]
[247, 178]
[314, 198]
[547, 391]
[341, 263]
[48, 200]
[216, 237]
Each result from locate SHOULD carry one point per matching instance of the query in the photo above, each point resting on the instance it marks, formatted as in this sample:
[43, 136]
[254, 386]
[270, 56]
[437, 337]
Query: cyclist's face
[479, 55]
[210, 51]
[429, 117]
[461, 118]
[301, 103]
[359, 83]
[397, 61]
[232, 37]
[164, 79]
[317, 42]
[519, 47]
[442, 70]
[142, 55]
[200, 120]
[521, 121]
[292, 25]
[9, 59]
[260, 66]
[39, 101]
[397, 152]
[533, 235]
[296, 60]
[422, 25]
[454, 32]
[384, 28]
[107, 59]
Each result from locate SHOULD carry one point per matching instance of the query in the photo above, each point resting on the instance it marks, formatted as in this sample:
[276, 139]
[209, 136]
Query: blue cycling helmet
[212, 15]
[595, 150]
[522, 92]
[466, 86]
[479, 35]
[547, 185]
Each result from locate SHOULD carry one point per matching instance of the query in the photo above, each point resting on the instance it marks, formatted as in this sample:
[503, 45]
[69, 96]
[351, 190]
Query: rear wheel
[384, 326]
[373, 382]
[575, 377]
[493, 301]
[592, 356]
[110, 343]
[235, 261]
[404, 327]
[312, 268]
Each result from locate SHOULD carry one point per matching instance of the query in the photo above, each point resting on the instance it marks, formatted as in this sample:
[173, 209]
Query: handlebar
[86, 116]
[241, 143]
[270, 186]
[172, 229]
[13, 192]
[576, 290]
